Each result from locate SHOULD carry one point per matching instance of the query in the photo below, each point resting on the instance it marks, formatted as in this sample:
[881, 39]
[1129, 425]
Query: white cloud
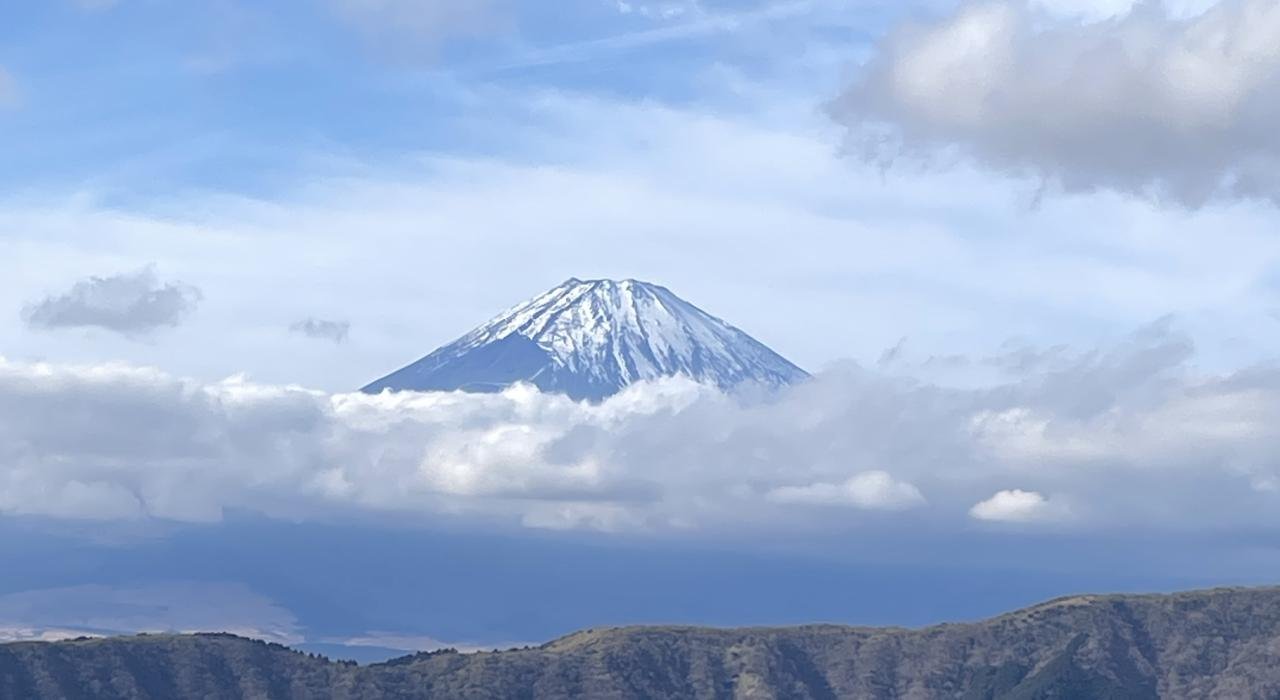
[1013, 506]
[874, 490]
[1169, 105]
[1126, 434]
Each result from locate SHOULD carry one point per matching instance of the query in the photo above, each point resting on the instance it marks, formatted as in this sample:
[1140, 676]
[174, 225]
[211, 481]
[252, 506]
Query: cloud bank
[1150, 102]
[1129, 435]
[131, 304]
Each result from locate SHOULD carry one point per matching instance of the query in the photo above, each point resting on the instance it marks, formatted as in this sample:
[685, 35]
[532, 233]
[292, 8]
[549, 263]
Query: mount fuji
[591, 338]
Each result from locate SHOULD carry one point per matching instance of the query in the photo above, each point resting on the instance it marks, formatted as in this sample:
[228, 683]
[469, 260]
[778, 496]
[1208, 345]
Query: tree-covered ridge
[1220, 643]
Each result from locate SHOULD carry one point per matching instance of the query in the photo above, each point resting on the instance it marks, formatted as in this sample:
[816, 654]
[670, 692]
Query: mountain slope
[589, 339]
[1207, 644]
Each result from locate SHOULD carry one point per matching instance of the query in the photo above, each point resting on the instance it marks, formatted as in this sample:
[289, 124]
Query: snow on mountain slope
[589, 339]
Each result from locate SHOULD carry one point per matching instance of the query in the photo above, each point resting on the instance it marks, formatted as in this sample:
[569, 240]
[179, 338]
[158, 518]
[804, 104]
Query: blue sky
[212, 95]
[1035, 276]
[246, 131]
[263, 124]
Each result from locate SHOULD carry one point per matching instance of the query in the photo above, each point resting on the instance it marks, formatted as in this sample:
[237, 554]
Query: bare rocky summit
[1210, 644]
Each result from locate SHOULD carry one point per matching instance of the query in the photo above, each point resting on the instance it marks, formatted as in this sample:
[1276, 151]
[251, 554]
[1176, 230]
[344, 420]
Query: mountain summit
[591, 338]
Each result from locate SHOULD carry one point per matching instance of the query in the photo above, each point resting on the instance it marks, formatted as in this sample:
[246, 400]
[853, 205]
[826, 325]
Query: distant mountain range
[1209, 644]
[591, 338]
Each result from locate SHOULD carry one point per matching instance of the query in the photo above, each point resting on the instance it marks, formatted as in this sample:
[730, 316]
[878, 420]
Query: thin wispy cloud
[698, 24]
[664, 11]
[96, 5]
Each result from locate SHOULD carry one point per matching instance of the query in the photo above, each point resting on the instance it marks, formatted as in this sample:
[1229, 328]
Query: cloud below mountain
[1125, 435]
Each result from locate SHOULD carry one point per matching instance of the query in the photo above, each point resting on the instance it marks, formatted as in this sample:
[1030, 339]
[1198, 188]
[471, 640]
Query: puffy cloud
[321, 329]
[131, 304]
[1172, 105]
[1124, 435]
[1013, 506]
[875, 490]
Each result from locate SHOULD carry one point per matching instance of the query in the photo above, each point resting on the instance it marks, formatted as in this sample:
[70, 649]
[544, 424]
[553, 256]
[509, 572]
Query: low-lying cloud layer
[94, 609]
[1125, 436]
[133, 303]
[1150, 102]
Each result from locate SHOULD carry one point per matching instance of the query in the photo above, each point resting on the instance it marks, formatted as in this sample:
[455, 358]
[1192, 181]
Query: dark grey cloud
[1153, 104]
[133, 303]
[321, 329]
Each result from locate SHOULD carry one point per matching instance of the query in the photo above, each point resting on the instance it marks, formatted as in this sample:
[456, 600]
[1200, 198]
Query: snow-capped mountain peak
[591, 338]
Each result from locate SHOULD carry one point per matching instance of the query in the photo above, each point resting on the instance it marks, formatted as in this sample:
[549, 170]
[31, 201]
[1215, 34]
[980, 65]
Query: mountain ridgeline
[589, 340]
[1210, 644]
